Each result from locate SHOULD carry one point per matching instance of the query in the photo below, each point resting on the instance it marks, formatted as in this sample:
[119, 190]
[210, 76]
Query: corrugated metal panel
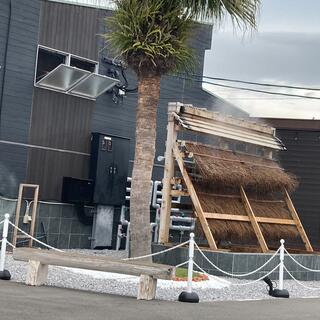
[73, 29]
[226, 127]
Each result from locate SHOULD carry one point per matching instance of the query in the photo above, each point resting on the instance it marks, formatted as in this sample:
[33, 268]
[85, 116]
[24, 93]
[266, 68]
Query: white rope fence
[298, 282]
[192, 245]
[233, 274]
[34, 239]
[182, 264]
[157, 253]
[240, 284]
[298, 263]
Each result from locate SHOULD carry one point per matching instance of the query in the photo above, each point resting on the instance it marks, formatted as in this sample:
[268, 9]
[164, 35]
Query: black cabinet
[109, 168]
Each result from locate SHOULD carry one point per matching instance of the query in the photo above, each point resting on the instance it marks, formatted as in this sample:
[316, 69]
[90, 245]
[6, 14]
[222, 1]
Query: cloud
[263, 105]
[276, 58]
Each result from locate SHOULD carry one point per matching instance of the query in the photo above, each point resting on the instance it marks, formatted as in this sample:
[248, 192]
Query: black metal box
[77, 191]
[109, 168]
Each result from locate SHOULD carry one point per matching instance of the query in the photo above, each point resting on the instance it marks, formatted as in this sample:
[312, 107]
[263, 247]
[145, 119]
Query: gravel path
[166, 290]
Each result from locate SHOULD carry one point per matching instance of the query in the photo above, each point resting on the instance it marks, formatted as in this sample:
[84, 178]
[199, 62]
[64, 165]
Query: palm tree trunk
[146, 129]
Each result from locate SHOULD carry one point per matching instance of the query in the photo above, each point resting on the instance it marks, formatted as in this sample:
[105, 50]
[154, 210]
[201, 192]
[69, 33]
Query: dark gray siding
[18, 88]
[18, 84]
[303, 159]
[70, 28]
[58, 120]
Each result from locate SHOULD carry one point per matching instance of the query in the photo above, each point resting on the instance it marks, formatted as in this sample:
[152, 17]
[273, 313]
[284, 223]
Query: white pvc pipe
[190, 263]
[281, 265]
[4, 241]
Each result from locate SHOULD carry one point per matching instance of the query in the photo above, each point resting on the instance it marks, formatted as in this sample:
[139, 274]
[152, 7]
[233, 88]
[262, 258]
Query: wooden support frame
[22, 186]
[186, 117]
[253, 221]
[298, 223]
[168, 176]
[194, 198]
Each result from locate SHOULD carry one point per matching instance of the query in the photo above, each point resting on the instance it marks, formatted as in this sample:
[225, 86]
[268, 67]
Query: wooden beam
[34, 213]
[296, 218]
[194, 198]
[18, 208]
[167, 178]
[179, 193]
[253, 220]
[223, 216]
[233, 217]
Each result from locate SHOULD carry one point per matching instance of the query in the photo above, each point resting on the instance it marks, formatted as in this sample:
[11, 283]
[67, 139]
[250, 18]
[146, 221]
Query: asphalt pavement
[20, 302]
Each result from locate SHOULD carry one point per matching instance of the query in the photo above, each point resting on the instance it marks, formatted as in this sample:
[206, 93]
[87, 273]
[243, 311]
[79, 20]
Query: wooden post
[18, 208]
[253, 221]
[34, 214]
[195, 199]
[168, 175]
[37, 273]
[299, 225]
[35, 188]
[147, 287]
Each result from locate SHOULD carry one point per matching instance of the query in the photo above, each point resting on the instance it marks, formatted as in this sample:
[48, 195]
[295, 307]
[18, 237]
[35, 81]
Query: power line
[249, 89]
[256, 83]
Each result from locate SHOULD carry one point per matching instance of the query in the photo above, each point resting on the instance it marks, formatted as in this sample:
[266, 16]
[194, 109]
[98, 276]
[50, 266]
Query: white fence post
[280, 292]
[189, 295]
[281, 264]
[4, 274]
[190, 263]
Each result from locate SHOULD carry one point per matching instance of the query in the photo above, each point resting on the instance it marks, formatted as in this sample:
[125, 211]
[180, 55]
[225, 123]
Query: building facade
[45, 133]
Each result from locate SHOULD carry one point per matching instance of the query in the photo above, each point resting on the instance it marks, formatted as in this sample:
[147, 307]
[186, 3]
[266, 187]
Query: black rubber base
[5, 275]
[190, 297]
[277, 293]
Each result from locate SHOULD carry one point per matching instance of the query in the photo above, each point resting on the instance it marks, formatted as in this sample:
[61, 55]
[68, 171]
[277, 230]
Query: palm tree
[151, 36]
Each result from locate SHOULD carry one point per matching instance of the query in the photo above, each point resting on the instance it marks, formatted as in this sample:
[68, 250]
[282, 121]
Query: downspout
[5, 59]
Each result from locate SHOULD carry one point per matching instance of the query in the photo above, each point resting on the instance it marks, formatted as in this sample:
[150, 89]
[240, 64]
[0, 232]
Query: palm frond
[151, 35]
[242, 12]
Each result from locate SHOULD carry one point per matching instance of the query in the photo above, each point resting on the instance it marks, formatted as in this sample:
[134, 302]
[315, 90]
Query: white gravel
[216, 288]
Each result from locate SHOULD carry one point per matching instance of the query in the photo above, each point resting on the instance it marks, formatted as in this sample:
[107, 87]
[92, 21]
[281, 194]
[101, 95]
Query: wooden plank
[147, 288]
[18, 208]
[34, 213]
[233, 217]
[222, 216]
[83, 261]
[254, 222]
[168, 175]
[288, 222]
[299, 225]
[194, 198]
[179, 193]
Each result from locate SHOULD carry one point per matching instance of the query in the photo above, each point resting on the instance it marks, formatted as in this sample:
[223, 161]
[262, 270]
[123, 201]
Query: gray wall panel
[18, 88]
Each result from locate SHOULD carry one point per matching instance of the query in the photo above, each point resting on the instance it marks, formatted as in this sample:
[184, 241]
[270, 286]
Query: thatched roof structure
[240, 231]
[229, 169]
[218, 177]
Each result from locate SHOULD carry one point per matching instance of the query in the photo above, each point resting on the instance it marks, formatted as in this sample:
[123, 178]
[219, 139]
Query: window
[70, 74]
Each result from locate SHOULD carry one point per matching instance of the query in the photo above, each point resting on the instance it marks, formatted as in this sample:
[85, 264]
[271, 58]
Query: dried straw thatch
[242, 231]
[229, 169]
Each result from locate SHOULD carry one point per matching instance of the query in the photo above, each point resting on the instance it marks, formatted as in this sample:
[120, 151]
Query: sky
[285, 50]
